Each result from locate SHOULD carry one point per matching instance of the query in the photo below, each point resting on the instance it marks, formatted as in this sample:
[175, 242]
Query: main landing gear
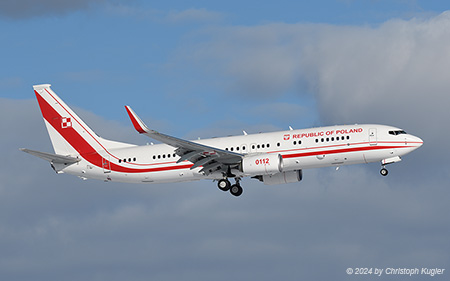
[235, 189]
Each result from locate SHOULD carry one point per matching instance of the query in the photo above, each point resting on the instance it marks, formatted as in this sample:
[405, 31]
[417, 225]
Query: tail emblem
[66, 122]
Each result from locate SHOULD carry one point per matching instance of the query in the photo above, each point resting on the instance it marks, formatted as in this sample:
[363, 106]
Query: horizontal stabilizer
[53, 158]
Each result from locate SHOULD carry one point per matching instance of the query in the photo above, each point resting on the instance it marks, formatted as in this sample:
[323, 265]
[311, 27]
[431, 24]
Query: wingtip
[137, 122]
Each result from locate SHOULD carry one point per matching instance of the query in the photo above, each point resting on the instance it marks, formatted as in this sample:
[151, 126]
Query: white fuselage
[300, 149]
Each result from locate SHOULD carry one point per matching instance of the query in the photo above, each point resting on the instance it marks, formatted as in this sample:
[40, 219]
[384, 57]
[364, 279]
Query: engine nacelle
[281, 178]
[262, 164]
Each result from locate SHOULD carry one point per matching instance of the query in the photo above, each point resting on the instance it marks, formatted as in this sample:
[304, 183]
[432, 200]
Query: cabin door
[373, 136]
[106, 165]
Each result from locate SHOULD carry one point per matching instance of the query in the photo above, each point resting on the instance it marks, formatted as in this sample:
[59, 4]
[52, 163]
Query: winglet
[137, 122]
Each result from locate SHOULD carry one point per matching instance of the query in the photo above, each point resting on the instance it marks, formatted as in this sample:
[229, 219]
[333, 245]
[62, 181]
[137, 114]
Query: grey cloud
[345, 67]
[259, 59]
[394, 73]
[20, 9]
[285, 112]
[55, 227]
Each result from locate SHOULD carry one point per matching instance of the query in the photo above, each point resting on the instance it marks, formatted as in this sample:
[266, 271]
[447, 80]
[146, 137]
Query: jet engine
[281, 178]
[262, 164]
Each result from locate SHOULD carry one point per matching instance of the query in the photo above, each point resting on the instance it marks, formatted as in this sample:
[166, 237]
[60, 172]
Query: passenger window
[278, 144]
[258, 146]
[134, 159]
[268, 145]
[295, 142]
[262, 146]
[120, 160]
[348, 137]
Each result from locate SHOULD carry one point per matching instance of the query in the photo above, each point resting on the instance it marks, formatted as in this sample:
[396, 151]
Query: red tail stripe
[84, 148]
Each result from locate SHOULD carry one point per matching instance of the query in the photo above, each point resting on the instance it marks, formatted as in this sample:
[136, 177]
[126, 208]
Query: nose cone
[416, 141]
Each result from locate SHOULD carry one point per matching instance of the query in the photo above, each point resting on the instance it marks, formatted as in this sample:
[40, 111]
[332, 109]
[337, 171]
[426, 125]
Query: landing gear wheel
[224, 184]
[384, 172]
[236, 190]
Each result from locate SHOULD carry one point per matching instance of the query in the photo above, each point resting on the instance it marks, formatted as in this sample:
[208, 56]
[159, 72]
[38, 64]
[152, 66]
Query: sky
[207, 68]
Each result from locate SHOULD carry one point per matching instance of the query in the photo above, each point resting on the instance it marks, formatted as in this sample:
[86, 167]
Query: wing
[211, 158]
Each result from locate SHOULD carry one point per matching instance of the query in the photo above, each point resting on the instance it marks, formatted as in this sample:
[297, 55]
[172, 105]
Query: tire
[384, 172]
[224, 184]
[236, 190]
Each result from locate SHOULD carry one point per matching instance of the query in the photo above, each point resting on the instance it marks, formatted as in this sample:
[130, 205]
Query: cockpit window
[397, 132]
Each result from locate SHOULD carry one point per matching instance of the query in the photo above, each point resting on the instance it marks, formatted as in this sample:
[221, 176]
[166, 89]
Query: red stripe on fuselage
[342, 150]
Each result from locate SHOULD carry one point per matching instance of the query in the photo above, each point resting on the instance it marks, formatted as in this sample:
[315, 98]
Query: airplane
[272, 158]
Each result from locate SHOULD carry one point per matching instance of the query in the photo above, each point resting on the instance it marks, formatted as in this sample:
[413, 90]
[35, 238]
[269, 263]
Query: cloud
[21, 9]
[57, 227]
[259, 59]
[285, 112]
[361, 65]
[91, 229]
[394, 73]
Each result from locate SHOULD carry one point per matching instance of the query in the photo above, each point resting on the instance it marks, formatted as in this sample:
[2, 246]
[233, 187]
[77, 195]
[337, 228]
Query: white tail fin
[68, 133]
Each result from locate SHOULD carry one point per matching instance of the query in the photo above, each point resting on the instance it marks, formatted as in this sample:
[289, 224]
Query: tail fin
[68, 133]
